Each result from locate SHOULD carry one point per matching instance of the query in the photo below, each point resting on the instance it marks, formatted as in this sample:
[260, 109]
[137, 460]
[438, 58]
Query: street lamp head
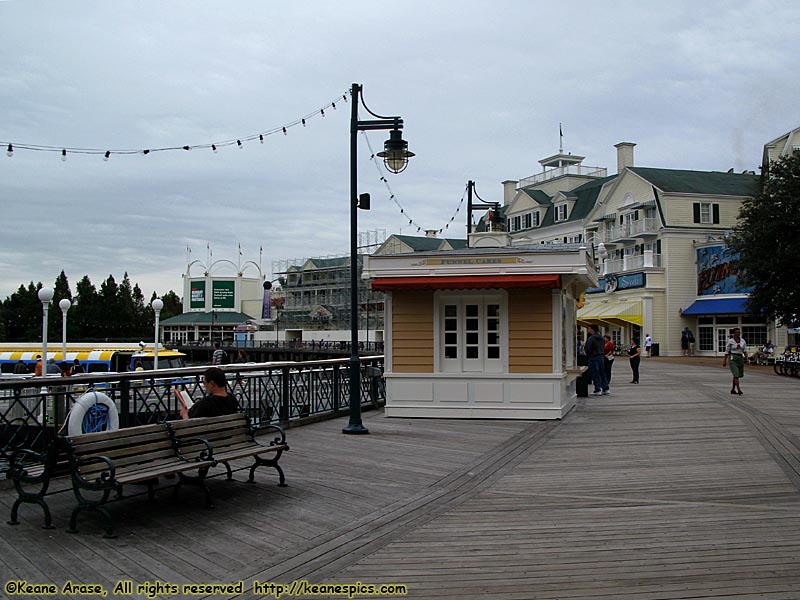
[602, 252]
[157, 304]
[395, 153]
[46, 295]
[65, 305]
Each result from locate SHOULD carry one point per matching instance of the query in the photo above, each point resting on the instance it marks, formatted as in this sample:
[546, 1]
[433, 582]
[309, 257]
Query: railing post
[284, 414]
[337, 390]
[124, 402]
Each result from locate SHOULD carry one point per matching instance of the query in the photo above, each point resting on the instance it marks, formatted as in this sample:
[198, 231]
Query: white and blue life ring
[92, 412]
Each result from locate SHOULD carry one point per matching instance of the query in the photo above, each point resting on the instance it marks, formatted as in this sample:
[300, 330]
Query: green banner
[198, 295]
[222, 294]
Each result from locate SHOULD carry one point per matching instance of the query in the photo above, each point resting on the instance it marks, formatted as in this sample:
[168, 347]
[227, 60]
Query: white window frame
[527, 219]
[706, 213]
[561, 212]
[461, 364]
[536, 219]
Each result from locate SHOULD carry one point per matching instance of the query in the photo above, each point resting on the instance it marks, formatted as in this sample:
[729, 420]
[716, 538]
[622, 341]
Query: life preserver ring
[92, 412]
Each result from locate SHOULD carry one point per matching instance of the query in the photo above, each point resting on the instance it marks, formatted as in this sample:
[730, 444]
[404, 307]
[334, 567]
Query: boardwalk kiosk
[486, 332]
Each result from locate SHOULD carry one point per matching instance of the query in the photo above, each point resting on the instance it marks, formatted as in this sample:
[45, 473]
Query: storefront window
[755, 336]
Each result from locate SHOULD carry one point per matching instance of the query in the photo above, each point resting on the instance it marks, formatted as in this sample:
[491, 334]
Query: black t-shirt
[214, 406]
[633, 349]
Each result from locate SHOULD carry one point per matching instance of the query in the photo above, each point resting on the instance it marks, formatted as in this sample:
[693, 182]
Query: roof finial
[560, 140]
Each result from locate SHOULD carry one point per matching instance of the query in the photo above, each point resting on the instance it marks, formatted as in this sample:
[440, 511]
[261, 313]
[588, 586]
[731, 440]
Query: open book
[184, 397]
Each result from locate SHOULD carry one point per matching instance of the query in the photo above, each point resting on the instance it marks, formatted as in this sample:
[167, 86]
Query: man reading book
[217, 401]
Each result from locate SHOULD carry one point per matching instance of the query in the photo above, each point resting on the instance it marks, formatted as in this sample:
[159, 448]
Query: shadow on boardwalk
[669, 489]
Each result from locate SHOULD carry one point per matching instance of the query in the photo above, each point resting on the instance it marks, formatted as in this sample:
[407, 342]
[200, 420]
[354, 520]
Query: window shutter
[715, 208]
[696, 207]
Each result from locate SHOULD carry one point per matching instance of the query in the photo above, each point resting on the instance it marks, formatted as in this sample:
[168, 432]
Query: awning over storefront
[466, 282]
[717, 306]
[629, 311]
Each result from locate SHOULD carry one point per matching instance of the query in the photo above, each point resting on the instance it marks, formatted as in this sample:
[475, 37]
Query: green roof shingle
[701, 182]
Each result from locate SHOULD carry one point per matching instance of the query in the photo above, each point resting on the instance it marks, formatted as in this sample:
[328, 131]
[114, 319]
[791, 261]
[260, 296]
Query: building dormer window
[561, 212]
[706, 213]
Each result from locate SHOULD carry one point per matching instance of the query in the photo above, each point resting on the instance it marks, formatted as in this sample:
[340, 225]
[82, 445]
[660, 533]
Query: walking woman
[635, 355]
[736, 354]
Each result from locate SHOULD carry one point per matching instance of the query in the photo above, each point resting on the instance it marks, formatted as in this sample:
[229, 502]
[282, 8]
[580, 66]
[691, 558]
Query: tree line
[116, 312]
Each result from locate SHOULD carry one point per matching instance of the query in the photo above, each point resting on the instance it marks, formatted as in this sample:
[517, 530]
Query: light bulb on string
[322, 111]
[333, 104]
[107, 155]
[64, 155]
[145, 152]
[261, 138]
[10, 151]
[239, 143]
[304, 122]
[285, 132]
[214, 148]
[187, 147]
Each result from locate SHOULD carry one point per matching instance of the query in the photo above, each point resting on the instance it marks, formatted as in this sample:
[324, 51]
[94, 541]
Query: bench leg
[230, 471]
[109, 525]
[273, 462]
[199, 480]
[48, 521]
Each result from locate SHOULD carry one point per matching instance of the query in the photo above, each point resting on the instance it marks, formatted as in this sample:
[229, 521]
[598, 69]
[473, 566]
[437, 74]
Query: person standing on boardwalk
[593, 348]
[635, 356]
[685, 341]
[736, 355]
[608, 359]
[648, 344]
[219, 356]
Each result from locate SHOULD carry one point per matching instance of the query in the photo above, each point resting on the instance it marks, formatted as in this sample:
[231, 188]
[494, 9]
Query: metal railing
[560, 171]
[34, 410]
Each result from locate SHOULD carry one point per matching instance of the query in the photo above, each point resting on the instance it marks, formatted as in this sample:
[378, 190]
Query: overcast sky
[482, 87]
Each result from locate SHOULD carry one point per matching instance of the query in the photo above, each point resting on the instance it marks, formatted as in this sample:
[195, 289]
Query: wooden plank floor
[669, 489]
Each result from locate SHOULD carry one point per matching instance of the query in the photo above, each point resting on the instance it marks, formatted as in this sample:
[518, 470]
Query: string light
[379, 167]
[239, 142]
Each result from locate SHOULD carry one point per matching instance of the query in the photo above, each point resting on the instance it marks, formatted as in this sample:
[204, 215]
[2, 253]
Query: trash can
[582, 383]
[654, 350]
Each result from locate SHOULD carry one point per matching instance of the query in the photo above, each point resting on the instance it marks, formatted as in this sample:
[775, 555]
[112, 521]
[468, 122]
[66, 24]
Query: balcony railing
[631, 263]
[561, 171]
[648, 225]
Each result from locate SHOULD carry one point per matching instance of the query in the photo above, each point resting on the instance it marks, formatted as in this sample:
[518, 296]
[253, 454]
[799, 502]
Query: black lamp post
[395, 156]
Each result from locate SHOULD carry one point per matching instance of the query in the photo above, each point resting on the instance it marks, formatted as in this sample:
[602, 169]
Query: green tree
[766, 239]
[172, 305]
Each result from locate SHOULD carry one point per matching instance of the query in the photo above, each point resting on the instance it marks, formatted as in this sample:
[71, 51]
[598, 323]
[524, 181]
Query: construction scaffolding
[316, 291]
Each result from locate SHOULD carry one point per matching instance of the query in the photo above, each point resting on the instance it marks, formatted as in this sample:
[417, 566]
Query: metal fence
[34, 410]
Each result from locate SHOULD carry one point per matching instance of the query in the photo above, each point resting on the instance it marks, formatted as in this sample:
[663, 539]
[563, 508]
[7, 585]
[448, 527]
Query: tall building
[660, 236]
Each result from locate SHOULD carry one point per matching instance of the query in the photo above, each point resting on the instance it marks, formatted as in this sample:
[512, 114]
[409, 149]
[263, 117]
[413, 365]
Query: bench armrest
[278, 440]
[17, 468]
[206, 454]
[105, 479]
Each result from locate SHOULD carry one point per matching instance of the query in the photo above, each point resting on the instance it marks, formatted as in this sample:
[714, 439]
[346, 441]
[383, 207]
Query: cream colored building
[659, 235]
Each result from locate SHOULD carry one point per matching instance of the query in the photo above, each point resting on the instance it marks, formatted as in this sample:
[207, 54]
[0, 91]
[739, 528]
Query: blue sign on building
[613, 283]
[718, 272]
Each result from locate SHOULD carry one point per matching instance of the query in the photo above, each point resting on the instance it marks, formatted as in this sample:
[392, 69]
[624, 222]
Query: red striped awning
[466, 282]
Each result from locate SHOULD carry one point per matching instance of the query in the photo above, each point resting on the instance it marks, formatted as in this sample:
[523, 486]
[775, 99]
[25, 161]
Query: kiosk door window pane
[451, 331]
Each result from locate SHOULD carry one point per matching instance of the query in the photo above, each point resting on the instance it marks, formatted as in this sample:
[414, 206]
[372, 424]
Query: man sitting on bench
[217, 401]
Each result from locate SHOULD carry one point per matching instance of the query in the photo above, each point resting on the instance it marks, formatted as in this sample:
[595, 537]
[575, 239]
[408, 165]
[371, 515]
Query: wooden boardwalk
[669, 489]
